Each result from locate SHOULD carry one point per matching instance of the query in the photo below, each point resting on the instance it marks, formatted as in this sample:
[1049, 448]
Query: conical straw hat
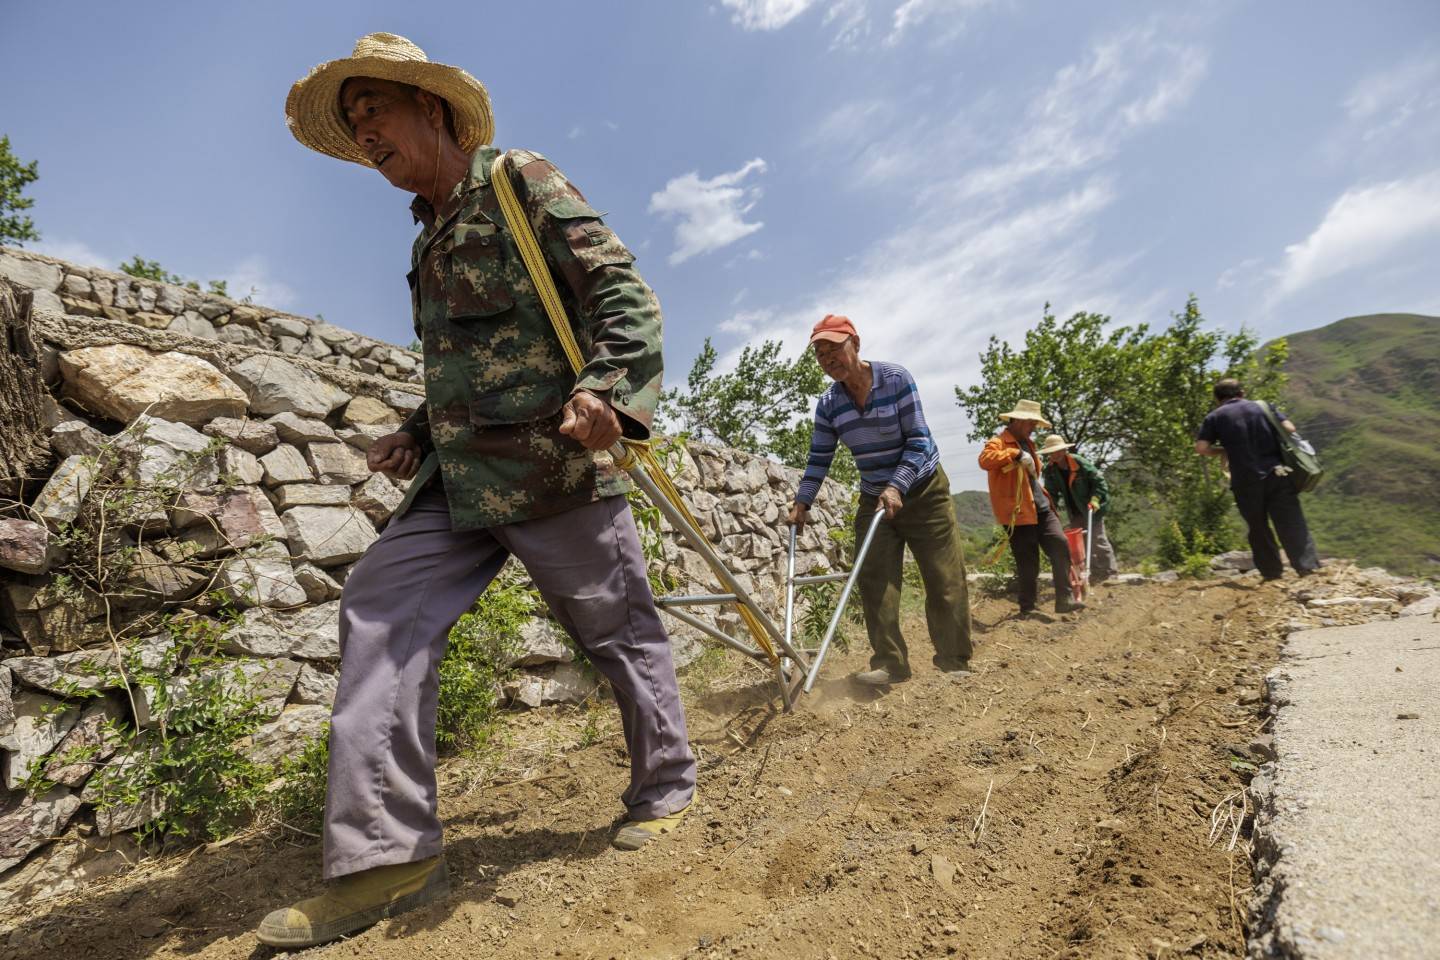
[312, 111]
[1026, 410]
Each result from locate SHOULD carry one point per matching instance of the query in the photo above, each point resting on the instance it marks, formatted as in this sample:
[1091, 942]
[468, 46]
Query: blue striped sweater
[889, 438]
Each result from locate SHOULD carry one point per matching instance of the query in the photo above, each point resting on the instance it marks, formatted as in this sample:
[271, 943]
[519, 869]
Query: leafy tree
[1084, 378]
[1132, 399]
[764, 406]
[151, 270]
[14, 178]
[744, 408]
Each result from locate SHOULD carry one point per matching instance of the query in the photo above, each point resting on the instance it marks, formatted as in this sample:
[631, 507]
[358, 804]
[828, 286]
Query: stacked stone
[67, 289]
[274, 506]
[1344, 593]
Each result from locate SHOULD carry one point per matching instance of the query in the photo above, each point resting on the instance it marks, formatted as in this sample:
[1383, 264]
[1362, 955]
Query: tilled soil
[1058, 803]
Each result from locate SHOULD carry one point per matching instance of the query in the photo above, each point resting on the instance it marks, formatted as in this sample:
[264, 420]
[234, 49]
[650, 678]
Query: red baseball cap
[835, 328]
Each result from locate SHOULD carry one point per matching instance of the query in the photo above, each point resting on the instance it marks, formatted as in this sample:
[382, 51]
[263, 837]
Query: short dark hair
[1228, 389]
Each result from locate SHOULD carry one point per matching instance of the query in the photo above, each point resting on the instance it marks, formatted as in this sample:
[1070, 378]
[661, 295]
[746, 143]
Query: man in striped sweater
[874, 409]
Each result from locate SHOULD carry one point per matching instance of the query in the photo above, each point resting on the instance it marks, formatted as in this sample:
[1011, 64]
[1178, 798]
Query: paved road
[1351, 819]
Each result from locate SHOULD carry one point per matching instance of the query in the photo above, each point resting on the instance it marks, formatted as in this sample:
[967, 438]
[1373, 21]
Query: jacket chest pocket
[476, 273]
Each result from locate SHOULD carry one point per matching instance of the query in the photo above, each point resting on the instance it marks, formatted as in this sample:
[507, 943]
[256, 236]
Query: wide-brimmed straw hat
[312, 111]
[1054, 444]
[1026, 410]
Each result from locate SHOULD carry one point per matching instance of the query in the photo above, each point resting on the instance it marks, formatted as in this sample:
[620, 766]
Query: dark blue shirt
[1241, 427]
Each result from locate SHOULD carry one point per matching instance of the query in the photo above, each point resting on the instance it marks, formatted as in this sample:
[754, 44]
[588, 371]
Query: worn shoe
[958, 670]
[881, 677]
[356, 901]
[1069, 606]
[634, 834]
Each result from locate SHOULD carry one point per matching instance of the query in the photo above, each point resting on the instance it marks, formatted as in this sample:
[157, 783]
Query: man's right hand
[397, 454]
[1027, 462]
[798, 514]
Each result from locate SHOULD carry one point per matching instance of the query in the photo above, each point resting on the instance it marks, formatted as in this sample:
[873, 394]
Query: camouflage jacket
[496, 376]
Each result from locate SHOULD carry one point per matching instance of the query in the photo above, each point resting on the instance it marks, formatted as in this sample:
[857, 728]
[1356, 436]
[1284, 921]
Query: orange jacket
[998, 461]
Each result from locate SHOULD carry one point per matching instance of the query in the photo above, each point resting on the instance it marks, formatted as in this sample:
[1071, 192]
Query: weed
[482, 644]
[705, 669]
[185, 760]
[300, 800]
[1196, 566]
[590, 732]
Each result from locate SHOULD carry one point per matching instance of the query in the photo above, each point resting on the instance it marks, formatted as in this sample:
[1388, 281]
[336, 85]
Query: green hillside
[1366, 392]
[972, 509]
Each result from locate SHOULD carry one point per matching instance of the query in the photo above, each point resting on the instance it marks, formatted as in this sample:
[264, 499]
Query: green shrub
[187, 761]
[300, 799]
[482, 644]
[1196, 566]
[817, 602]
[1001, 569]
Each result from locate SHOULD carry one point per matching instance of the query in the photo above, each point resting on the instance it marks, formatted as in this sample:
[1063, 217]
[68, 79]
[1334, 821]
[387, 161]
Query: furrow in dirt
[1058, 803]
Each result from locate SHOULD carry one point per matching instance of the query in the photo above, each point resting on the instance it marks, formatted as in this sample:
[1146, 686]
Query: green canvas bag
[1299, 455]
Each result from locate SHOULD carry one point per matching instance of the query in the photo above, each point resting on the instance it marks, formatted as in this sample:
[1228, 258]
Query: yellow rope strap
[999, 548]
[635, 450]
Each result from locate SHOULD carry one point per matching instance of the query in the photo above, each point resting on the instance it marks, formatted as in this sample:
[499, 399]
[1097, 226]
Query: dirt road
[1056, 804]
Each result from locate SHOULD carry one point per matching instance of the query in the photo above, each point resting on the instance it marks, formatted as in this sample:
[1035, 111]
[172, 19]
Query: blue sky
[936, 169]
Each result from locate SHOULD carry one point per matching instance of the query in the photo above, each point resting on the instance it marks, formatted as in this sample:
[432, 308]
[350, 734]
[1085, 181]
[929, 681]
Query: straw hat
[1054, 444]
[312, 111]
[1026, 410]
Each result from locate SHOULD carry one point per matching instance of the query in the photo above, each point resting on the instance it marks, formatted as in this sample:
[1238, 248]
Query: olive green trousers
[926, 524]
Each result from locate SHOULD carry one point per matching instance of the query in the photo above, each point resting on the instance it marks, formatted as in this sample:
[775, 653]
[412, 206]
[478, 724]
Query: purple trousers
[399, 604]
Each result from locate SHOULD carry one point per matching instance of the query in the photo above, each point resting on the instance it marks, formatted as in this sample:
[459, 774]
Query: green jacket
[1086, 484]
[496, 376]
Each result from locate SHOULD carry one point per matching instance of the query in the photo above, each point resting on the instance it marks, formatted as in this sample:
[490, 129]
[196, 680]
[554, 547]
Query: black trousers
[1274, 500]
[1026, 542]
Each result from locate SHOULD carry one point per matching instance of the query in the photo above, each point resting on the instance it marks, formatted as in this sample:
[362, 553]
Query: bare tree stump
[23, 443]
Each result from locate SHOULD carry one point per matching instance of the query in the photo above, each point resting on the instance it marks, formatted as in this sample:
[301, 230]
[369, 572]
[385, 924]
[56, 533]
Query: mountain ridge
[1366, 391]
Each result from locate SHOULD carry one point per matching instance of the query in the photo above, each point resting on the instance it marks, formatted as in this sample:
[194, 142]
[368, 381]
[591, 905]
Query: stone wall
[252, 460]
[65, 288]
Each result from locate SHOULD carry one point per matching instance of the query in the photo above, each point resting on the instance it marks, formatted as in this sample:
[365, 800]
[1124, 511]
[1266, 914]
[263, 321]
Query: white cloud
[75, 251]
[1128, 82]
[850, 20]
[974, 257]
[1395, 91]
[1244, 273]
[711, 213]
[251, 278]
[765, 14]
[929, 297]
[749, 256]
[912, 13]
[576, 132]
[1391, 115]
[1366, 225]
[748, 323]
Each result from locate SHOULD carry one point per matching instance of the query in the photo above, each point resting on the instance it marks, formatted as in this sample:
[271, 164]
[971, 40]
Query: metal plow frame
[794, 669]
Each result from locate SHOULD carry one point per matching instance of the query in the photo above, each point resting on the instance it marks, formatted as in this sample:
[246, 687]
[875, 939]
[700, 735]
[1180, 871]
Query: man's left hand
[590, 420]
[890, 502]
[1094, 504]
